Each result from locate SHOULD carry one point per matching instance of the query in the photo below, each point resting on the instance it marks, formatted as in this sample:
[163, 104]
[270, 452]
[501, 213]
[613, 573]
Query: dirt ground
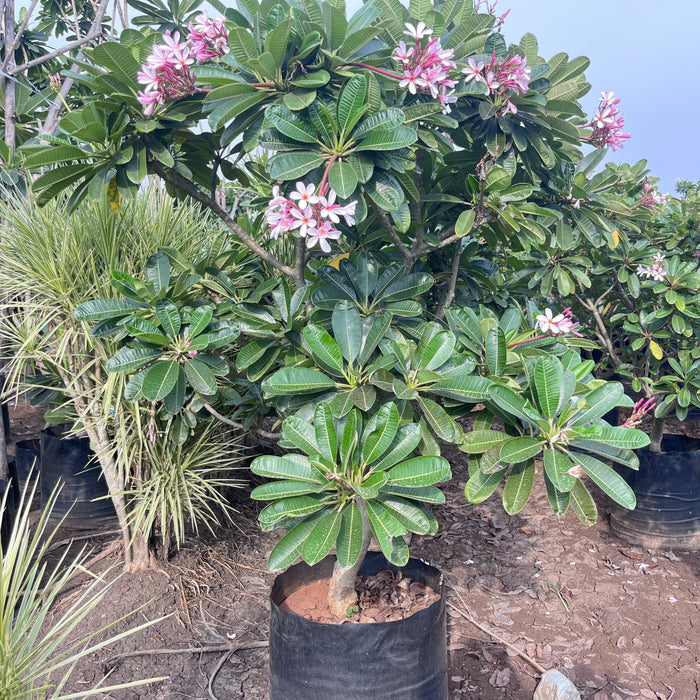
[620, 621]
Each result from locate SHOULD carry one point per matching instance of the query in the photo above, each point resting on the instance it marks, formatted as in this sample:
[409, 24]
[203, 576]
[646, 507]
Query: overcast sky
[643, 50]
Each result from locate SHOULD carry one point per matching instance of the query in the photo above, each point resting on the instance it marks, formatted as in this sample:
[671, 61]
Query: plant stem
[447, 300]
[381, 71]
[188, 187]
[657, 434]
[342, 595]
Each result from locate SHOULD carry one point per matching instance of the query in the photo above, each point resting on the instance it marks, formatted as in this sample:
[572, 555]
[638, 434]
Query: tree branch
[239, 426]
[188, 187]
[391, 232]
[18, 36]
[447, 300]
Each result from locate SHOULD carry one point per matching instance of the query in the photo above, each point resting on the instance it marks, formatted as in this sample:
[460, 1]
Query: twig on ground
[469, 618]
[258, 644]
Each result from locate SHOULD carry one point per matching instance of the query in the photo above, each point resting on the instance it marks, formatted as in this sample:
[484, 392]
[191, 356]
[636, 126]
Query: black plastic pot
[8, 514]
[401, 660]
[667, 487]
[83, 495]
[27, 461]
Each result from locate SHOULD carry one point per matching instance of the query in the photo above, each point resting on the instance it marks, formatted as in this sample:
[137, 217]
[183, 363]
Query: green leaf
[290, 547]
[606, 479]
[169, 317]
[347, 329]
[444, 427]
[599, 402]
[322, 538]
[102, 309]
[370, 487]
[510, 402]
[292, 166]
[343, 179]
[404, 443]
[480, 486]
[349, 540]
[387, 139]
[439, 349]
[289, 508]
[364, 396]
[625, 438]
[324, 348]
[378, 441]
[520, 449]
[199, 320]
[465, 221]
[547, 386]
[421, 471]
[558, 501]
[175, 400]
[411, 516]
[385, 191]
[386, 119]
[583, 504]
[426, 494]
[274, 467]
[408, 287]
[291, 124]
[518, 487]
[129, 359]
[301, 434]
[291, 381]
[495, 351]
[201, 377]
[324, 429]
[388, 533]
[478, 441]
[283, 489]
[469, 388]
[556, 466]
[351, 103]
[312, 80]
[160, 380]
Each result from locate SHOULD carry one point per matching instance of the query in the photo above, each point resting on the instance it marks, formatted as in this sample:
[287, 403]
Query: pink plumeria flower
[348, 213]
[413, 80]
[329, 209]
[403, 54]
[473, 71]
[418, 32]
[305, 221]
[324, 232]
[305, 194]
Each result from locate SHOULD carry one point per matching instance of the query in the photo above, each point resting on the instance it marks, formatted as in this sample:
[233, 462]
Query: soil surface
[620, 621]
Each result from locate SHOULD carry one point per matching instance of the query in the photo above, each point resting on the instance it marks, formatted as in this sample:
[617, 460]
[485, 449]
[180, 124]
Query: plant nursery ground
[620, 621]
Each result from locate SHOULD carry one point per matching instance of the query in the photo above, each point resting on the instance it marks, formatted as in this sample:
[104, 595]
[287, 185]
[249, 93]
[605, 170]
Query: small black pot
[401, 660]
[83, 497]
[667, 487]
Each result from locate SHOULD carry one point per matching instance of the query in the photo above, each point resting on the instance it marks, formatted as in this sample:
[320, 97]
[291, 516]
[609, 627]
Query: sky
[643, 50]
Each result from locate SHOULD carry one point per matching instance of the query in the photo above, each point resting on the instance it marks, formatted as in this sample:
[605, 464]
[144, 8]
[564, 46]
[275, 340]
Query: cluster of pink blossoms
[607, 123]
[651, 198]
[655, 271]
[167, 73]
[557, 325]
[641, 408]
[312, 215]
[500, 75]
[426, 68]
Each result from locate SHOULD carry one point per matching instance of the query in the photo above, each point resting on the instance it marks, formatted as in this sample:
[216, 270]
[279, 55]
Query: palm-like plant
[53, 261]
[39, 650]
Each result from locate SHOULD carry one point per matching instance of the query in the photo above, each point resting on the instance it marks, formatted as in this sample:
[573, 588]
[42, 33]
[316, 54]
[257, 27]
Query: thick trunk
[10, 107]
[657, 434]
[342, 595]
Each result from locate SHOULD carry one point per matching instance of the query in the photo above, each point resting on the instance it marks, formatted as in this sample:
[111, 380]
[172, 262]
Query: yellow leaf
[656, 350]
[336, 261]
[113, 196]
[616, 238]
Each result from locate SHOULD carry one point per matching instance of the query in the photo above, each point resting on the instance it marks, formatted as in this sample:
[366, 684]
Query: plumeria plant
[390, 149]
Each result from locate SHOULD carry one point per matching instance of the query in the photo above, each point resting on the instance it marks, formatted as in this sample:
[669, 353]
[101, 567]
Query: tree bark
[10, 105]
[342, 595]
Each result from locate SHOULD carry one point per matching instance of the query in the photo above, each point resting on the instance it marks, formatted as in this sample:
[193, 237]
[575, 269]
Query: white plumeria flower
[305, 194]
[321, 235]
[304, 221]
[402, 54]
[548, 323]
[417, 32]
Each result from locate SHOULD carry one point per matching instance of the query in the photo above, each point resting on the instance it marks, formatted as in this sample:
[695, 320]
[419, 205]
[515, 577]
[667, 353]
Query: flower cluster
[488, 7]
[557, 325]
[641, 408]
[651, 198]
[208, 38]
[500, 75]
[655, 271]
[168, 73]
[425, 69]
[313, 215]
[607, 123]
